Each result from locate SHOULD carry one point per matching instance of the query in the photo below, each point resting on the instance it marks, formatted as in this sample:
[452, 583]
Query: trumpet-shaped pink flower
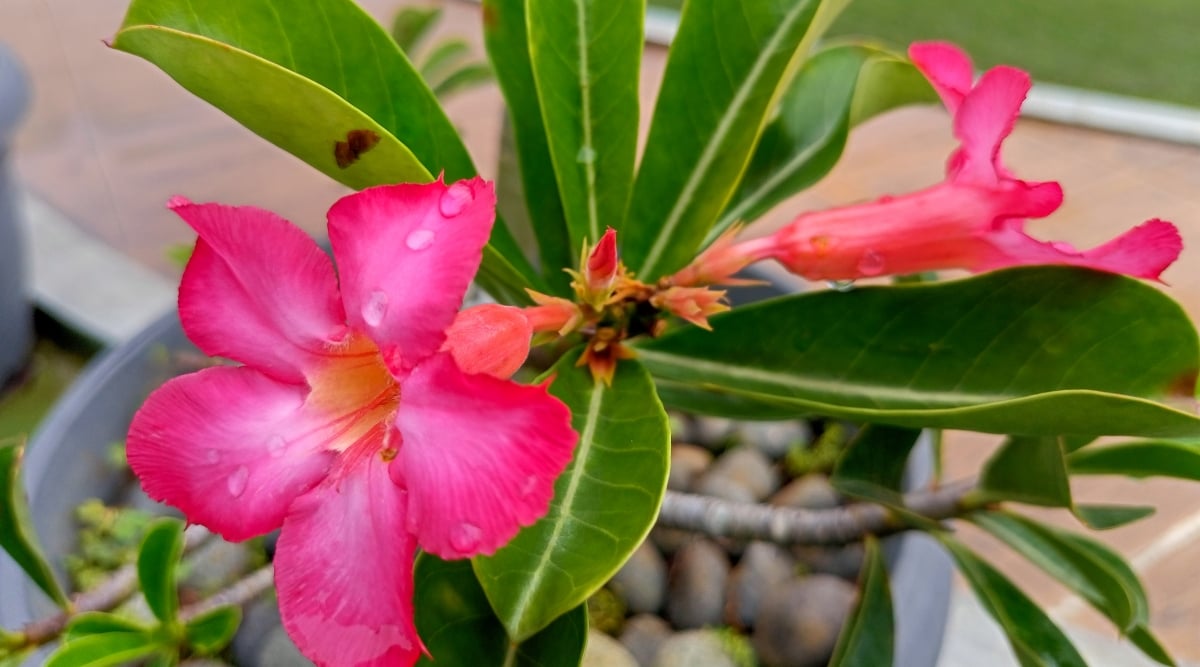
[365, 420]
[973, 220]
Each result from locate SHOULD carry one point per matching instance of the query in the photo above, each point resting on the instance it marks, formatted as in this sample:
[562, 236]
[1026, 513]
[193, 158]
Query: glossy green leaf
[1148, 644]
[157, 562]
[1104, 517]
[459, 627]
[1028, 351]
[586, 57]
[211, 631]
[604, 503]
[728, 64]
[17, 536]
[836, 89]
[1140, 459]
[462, 78]
[1088, 568]
[867, 639]
[1035, 639]
[411, 24]
[506, 37]
[99, 622]
[308, 76]
[444, 59]
[1027, 470]
[873, 464]
[105, 650]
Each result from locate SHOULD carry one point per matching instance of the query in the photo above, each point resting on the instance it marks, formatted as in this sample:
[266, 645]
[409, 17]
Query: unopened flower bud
[602, 264]
[489, 339]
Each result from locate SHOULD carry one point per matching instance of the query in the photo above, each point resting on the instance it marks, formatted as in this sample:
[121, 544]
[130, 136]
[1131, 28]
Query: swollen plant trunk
[16, 313]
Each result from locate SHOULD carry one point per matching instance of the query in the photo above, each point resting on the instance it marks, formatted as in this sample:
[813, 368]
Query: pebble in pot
[696, 585]
[687, 463]
[604, 651]
[763, 568]
[743, 474]
[775, 439]
[799, 622]
[813, 492]
[644, 635]
[642, 580]
[695, 648]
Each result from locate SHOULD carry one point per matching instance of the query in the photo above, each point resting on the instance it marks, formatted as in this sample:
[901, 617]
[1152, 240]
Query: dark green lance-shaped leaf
[1029, 351]
[604, 503]
[100, 622]
[158, 559]
[1085, 566]
[443, 59]
[505, 35]
[1027, 470]
[1103, 517]
[17, 537]
[586, 57]
[873, 465]
[728, 64]
[1140, 459]
[1147, 643]
[867, 638]
[836, 89]
[411, 24]
[104, 650]
[323, 81]
[458, 626]
[1035, 639]
[211, 631]
[464, 77]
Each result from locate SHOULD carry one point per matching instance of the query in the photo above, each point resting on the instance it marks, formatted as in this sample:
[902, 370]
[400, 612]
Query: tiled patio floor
[110, 138]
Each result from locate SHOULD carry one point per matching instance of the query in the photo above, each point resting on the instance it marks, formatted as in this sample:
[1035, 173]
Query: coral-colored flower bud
[602, 264]
[694, 304]
[490, 339]
[552, 314]
[720, 262]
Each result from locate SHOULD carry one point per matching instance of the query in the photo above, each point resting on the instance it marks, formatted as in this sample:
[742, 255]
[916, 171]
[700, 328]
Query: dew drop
[529, 486]
[237, 481]
[465, 537]
[871, 263]
[841, 285]
[420, 239]
[212, 456]
[455, 199]
[276, 446]
[375, 308]
[586, 155]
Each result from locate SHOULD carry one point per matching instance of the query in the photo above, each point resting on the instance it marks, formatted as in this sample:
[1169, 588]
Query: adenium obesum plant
[973, 220]
[369, 416]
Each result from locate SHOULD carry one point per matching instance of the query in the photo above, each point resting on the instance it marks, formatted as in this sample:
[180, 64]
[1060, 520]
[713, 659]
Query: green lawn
[1142, 48]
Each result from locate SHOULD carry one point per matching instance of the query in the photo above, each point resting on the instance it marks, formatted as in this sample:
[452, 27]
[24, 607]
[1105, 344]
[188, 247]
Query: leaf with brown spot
[357, 142]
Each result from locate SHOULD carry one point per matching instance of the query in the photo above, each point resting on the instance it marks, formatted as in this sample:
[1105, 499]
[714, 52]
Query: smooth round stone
[799, 622]
[696, 585]
[604, 651]
[681, 426]
[813, 492]
[713, 432]
[216, 564]
[739, 474]
[687, 463]
[775, 439]
[844, 561]
[695, 648]
[643, 636]
[763, 568]
[642, 580]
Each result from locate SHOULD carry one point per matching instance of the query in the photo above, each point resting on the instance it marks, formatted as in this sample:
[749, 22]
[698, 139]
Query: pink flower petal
[343, 571]
[1142, 252]
[984, 120]
[490, 339]
[948, 69]
[228, 446]
[257, 290]
[479, 456]
[406, 254]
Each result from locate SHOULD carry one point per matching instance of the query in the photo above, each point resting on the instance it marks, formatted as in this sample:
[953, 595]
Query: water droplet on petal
[276, 446]
[237, 481]
[420, 239]
[375, 308]
[529, 486]
[465, 537]
[212, 456]
[841, 285]
[455, 199]
[586, 155]
[871, 263]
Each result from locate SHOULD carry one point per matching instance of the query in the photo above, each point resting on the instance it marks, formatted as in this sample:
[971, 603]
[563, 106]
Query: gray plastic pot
[16, 313]
[66, 465]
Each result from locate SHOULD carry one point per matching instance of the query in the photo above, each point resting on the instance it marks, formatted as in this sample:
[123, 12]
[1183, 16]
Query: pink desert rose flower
[369, 416]
[973, 220]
